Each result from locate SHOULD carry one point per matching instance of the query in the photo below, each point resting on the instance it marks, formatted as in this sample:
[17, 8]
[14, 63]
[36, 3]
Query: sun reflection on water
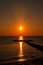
[21, 54]
[21, 47]
[20, 37]
[21, 50]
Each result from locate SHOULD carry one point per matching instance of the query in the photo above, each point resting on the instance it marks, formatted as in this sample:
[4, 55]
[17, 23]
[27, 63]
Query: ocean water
[11, 51]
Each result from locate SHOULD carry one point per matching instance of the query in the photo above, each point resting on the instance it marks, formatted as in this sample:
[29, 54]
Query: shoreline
[38, 61]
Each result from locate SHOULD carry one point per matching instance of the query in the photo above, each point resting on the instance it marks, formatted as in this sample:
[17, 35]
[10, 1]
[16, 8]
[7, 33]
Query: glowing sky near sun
[25, 13]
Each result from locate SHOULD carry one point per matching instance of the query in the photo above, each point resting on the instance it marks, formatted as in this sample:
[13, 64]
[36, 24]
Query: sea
[11, 51]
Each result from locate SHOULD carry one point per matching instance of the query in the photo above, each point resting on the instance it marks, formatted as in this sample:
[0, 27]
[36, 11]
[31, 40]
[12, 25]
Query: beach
[38, 61]
[15, 52]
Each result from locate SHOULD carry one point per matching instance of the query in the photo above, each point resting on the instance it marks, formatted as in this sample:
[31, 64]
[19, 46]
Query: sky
[25, 13]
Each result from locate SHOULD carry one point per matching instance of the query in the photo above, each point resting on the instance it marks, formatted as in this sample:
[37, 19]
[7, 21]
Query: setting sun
[21, 28]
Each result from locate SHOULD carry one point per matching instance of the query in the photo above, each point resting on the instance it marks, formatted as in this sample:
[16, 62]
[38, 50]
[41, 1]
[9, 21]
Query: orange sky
[28, 14]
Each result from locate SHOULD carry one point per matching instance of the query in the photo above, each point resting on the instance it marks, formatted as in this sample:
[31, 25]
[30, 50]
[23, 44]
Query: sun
[20, 28]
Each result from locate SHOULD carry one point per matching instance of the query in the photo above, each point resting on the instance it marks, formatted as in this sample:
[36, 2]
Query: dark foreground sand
[38, 61]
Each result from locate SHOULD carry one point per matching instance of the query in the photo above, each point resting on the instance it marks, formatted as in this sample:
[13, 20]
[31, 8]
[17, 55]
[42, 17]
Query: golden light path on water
[21, 49]
[20, 45]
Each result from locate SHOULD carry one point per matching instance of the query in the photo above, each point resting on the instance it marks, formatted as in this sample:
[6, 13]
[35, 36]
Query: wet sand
[38, 61]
